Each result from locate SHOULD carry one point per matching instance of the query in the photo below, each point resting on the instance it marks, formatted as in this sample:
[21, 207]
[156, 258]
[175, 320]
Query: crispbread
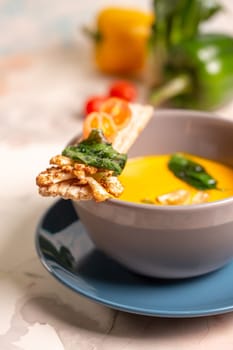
[71, 188]
[67, 190]
[141, 114]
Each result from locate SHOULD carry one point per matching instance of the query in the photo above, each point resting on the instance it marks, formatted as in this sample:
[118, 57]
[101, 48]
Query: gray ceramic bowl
[177, 241]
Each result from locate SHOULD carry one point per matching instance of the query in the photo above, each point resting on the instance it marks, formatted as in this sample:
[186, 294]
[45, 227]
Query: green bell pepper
[197, 69]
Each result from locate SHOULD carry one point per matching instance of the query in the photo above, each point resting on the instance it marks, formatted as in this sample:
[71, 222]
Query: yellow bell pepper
[122, 36]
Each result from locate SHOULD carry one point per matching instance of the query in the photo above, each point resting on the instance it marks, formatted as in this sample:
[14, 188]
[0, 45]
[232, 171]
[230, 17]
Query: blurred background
[31, 25]
[48, 66]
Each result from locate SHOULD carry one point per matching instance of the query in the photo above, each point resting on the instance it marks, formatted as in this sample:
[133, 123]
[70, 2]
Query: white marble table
[40, 104]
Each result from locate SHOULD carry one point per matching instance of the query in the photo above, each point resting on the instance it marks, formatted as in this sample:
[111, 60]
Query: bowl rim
[172, 208]
[186, 208]
[184, 113]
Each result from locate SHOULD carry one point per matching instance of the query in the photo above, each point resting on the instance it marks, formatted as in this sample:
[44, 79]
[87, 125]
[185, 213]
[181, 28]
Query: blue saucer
[68, 254]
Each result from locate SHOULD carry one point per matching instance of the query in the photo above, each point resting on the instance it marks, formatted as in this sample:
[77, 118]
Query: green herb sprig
[98, 152]
[191, 172]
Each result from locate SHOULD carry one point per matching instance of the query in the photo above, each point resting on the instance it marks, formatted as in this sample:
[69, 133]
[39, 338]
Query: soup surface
[146, 178]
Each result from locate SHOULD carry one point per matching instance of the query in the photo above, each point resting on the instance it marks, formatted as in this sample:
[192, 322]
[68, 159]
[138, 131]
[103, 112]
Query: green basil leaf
[191, 172]
[98, 152]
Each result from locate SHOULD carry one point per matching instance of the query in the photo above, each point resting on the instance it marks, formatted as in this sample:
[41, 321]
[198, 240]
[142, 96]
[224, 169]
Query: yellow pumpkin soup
[150, 180]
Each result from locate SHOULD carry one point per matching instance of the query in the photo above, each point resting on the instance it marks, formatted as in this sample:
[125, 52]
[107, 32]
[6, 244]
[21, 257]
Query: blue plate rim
[115, 305]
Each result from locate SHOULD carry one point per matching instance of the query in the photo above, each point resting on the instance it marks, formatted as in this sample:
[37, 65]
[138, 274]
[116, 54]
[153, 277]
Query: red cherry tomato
[100, 120]
[119, 110]
[123, 89]
[94, 103]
